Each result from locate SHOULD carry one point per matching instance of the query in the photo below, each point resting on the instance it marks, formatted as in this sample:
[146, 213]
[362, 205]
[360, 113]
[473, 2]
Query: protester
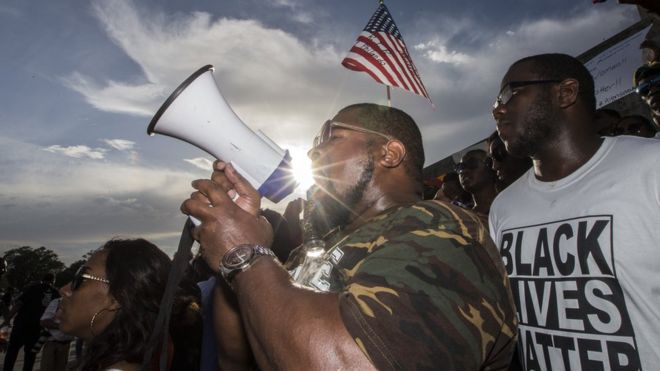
[605, 121]
[452, 191]
[113, 301]
[647, 85]
[292, 216]
[410, 284]
[6, 299]
[3, 266]
[55, 352]
[507, 168]
[636, 125]
[283, 242]
[478, 178]
[28, 308]
[578, 232]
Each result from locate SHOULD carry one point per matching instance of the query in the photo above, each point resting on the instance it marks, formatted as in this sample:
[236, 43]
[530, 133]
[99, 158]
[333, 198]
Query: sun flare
[302, 168]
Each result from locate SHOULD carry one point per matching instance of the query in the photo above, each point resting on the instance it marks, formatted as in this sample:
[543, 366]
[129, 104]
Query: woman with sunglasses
[113, 301]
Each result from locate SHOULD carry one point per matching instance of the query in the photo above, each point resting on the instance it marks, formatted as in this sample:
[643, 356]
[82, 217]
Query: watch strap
[230, 273]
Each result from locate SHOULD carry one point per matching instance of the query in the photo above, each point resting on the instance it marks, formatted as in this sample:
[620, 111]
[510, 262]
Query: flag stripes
[381, 52]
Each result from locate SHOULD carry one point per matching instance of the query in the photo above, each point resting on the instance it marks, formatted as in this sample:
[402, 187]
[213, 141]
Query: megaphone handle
[194, 220]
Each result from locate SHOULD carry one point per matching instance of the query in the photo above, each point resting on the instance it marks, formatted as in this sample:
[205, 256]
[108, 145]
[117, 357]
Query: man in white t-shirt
[578, 233]
[55, 353]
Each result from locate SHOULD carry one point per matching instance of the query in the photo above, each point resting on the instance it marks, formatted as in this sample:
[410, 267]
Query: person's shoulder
[635, 145]
[513, 191]
[629, 152]
[431, 209]
[421, 214]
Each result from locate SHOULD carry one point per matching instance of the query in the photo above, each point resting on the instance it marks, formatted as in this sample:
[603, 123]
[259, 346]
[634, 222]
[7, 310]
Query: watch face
[238, 256]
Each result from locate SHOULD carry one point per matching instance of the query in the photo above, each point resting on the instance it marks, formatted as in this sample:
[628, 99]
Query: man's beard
[539, 126]
[334, 209]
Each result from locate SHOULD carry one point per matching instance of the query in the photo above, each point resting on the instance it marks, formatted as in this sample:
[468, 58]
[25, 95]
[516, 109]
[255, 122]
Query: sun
[302, 168]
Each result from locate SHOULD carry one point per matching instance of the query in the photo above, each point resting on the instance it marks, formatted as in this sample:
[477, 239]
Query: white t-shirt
[583, 256]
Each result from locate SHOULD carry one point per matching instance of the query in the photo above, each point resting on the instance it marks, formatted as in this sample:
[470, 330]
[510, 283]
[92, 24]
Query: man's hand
[226, 223]
[239, 190]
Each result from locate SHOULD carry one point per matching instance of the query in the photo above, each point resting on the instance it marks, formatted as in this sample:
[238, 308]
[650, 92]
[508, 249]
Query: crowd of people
[537, 253]
[406, 283]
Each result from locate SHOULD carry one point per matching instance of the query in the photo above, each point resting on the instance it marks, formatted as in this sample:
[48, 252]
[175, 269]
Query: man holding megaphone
[404, 283]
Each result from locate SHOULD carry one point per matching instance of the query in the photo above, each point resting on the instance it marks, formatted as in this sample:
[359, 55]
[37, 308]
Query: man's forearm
[290, 327]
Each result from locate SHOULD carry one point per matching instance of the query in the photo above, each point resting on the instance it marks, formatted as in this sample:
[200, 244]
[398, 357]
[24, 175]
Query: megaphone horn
[197, 113]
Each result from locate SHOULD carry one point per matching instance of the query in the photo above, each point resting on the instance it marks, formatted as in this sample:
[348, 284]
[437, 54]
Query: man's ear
[568, 92]
[393, 154]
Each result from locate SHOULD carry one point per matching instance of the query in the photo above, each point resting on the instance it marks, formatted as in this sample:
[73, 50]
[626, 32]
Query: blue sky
[80, 80]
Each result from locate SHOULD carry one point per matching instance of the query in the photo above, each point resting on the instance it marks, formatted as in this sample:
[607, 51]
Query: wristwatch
[241, 258]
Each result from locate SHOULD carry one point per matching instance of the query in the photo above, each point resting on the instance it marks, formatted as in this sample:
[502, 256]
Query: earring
[91, 322]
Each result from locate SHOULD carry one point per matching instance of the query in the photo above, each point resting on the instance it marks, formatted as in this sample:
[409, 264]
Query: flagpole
[389, 97]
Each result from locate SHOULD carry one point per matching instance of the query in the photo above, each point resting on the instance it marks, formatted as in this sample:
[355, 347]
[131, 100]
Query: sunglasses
[81, 276]
[644, 88]
[511, 89]
[472, 164]
[326, 132]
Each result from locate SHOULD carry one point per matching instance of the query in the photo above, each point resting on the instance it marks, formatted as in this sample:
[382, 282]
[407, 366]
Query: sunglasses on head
[644, 88]
[326, 132]
[510, 89]
[81, 276]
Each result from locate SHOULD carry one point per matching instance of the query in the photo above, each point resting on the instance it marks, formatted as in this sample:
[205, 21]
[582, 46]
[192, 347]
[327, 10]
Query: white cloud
[10, 11]
[75, 204]
[82, 176]
[436, 52]
[119, 202]
[248, 57]
[120, 144]
[80, 151]
[116, 96]
[294, 8]
[200, 162]
[277, 83]
[463, 92]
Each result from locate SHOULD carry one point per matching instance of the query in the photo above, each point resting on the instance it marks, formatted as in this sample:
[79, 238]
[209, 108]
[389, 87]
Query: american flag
[381, 52]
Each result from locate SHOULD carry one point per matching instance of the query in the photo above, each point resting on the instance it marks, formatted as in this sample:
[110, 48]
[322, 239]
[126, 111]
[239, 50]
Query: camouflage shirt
[422, 287]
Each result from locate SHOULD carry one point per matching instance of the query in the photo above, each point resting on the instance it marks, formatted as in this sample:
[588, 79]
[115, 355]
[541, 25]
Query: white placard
[613, 69]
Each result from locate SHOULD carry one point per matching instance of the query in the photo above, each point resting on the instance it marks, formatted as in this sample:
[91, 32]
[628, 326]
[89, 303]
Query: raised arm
[287, 327]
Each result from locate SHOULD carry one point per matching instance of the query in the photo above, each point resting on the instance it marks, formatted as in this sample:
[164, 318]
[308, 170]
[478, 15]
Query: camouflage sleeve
[430, 299]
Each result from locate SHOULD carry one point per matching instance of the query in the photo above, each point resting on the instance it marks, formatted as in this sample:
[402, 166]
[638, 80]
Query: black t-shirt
[33, 300]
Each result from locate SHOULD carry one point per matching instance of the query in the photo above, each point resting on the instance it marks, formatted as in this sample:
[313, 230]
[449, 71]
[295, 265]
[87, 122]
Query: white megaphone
[197, 113]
